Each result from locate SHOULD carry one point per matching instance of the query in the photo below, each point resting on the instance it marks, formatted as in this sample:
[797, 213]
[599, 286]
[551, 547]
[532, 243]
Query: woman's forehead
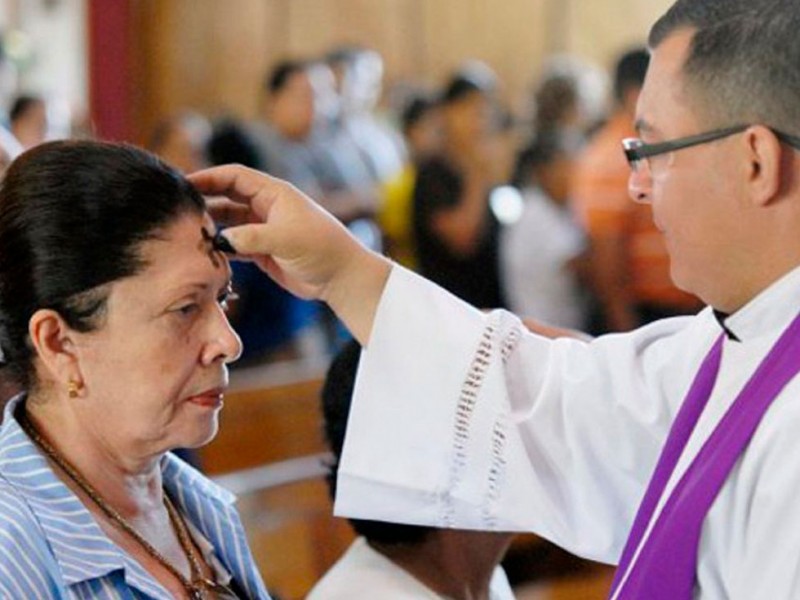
[183, 250]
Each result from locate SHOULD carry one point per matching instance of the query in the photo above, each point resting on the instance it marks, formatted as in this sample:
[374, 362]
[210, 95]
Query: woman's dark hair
[73, 215]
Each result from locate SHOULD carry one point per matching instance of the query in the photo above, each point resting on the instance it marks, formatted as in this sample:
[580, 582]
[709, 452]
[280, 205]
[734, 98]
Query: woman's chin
[201, 434]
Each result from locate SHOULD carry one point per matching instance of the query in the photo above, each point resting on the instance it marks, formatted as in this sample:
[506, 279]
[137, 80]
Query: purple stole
[667, 563]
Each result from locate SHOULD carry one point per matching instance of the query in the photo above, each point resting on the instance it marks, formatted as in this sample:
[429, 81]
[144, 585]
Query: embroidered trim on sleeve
[497, 469]
[464, 412]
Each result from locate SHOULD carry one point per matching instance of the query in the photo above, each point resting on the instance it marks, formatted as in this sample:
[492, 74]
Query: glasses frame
[636, 150]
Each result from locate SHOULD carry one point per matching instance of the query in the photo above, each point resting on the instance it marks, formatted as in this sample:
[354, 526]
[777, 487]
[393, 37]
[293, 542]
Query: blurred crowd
[523, 209]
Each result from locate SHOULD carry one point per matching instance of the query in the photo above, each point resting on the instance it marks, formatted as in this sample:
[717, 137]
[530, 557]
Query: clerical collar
[721, 316]
[770, 311]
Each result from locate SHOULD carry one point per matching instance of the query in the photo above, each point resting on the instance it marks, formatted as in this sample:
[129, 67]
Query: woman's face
[155, 369]
[469, 119]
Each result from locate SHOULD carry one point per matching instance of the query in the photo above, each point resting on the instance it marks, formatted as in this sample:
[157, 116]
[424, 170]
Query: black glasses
[637, 152]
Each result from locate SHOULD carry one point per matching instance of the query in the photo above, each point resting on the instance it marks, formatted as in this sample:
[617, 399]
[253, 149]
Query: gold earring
[73, 387]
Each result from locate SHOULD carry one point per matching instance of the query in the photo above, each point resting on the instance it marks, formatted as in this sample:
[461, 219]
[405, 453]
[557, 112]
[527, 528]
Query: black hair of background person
[543, 149]
[280, 74]
[461, 86]
[415, 109]
[21, 105]
[630, 71]
[77, 244]
[230, 143]
[337, 395]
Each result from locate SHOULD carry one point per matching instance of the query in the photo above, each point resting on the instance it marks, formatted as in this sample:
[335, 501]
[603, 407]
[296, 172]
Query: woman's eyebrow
[202, 286]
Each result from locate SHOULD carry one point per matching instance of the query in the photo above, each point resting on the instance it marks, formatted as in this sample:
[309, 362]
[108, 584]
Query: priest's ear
[765, 164]
[53, 341]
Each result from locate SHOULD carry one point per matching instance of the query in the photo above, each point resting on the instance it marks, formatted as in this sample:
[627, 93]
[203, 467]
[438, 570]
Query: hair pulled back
[73, 215]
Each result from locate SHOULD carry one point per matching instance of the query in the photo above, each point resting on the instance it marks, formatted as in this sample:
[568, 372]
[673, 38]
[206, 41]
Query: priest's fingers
[227, 213]
[241, 185]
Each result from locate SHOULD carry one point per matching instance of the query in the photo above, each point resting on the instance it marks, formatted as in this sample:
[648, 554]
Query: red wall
[110, 69]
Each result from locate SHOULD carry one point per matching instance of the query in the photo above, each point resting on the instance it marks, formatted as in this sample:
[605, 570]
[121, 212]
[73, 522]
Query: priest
[673, 450]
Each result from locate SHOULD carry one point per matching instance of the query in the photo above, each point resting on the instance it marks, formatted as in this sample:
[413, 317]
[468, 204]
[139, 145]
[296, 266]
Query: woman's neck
[131, 485]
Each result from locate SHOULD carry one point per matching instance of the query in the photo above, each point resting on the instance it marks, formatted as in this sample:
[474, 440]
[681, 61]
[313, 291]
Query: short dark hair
[73, 216]
[337, 394]
[415, 110]
[280, 74]
[231, 143]
[22, 104]
[554, 97]
[744, 62]
[461, 86]
[695, 14]
[543, 149]
[630, 71]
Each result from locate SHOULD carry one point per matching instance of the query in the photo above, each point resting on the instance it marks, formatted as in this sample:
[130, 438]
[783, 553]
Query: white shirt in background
[362, 572]
[535, 253]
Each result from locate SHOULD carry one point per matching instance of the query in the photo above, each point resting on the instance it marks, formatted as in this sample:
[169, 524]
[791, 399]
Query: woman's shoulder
[27, 566]
[15, 513]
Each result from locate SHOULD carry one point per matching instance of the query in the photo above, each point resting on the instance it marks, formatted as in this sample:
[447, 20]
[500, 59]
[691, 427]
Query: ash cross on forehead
[212, 247]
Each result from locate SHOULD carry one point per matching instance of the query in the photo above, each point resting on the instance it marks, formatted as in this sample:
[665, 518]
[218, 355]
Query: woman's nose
[224, 343]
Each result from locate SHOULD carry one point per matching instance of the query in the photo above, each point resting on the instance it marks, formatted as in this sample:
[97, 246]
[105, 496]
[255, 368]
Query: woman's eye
[187, 309]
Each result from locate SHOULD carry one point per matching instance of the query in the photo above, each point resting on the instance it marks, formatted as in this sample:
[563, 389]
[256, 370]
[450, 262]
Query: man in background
[629, 266]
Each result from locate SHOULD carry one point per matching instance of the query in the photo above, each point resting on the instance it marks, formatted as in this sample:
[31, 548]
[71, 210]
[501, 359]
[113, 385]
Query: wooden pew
[271, 413]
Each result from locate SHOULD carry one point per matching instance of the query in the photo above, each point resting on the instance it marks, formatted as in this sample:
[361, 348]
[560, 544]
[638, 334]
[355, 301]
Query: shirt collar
[772, 309]
[64, 519]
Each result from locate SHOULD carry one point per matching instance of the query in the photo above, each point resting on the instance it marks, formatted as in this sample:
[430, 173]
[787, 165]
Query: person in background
[297, 105]
[629, 264]
[10, 148]
[557, 107]
[360, 92]
[422, 130]
[181, 141]
[28, 119]
[113, 322]
[455, 231]
[389, 561]
[542, 254]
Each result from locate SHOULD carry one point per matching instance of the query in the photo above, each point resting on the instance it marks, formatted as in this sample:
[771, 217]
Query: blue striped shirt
[51, 546]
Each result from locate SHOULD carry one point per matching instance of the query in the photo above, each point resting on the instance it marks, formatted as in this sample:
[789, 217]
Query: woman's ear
[55, 347]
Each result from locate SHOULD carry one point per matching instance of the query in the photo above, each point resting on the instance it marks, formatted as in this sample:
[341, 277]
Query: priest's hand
[302, 247]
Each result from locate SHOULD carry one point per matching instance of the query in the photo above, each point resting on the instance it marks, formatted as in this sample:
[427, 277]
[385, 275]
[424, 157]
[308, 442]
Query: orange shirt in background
[601, 203]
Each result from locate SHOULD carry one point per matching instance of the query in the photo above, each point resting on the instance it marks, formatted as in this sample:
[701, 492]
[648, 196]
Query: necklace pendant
[197, 594]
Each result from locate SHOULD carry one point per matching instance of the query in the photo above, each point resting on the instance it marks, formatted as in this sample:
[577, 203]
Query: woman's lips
[210, 399]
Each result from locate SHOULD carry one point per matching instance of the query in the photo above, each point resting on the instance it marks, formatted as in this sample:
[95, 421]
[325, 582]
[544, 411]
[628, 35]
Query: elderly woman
[113, 320]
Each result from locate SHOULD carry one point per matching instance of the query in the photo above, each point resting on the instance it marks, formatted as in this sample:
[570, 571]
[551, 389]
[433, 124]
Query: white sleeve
[463, 419]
